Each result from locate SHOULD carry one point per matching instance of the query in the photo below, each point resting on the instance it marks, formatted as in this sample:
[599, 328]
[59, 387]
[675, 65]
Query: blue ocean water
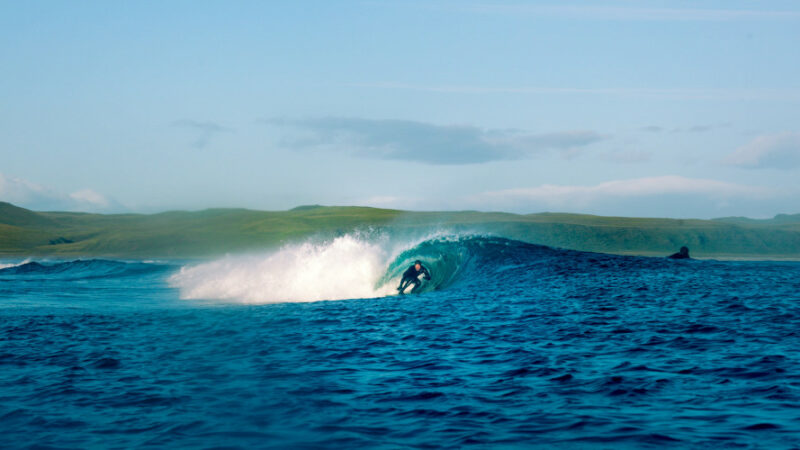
[510, 345]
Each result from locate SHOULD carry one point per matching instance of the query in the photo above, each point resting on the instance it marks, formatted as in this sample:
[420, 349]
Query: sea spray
[346, 267]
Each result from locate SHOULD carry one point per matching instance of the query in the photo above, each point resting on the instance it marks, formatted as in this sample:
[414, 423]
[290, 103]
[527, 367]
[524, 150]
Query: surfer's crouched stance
[411, 275]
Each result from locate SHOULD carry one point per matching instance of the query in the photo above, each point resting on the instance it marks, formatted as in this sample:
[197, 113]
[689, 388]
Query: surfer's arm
[427, 274]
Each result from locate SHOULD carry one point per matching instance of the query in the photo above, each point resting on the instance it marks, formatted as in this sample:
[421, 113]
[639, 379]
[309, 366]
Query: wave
[353, 266]
[6, 265]
[80, 269]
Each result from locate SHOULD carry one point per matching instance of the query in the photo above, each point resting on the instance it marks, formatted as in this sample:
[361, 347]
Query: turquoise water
[511, 345]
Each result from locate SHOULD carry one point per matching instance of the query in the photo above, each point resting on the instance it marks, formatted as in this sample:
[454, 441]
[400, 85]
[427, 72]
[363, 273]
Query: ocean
[510, 345]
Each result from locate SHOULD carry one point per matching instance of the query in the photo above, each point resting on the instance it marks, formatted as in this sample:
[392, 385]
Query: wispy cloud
[20, 191]
[627, 156]
[388, 201]
[659, 196]
[711, 94]
[427, 143]
[625, 13]
[652, 129]
[670, 195]
[92, 199]
[773, 151]
[37, 197]
[701, 128]
[204, 131]
[637, 187]
[696, 128]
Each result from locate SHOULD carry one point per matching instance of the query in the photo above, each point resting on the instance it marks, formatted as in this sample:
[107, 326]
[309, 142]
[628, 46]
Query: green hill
[21, 217]
[217, 231]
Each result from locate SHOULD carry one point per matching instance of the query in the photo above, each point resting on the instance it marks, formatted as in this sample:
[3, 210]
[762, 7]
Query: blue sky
[645, 108]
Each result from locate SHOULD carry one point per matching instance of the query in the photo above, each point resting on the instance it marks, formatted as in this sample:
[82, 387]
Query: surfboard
[410, 286]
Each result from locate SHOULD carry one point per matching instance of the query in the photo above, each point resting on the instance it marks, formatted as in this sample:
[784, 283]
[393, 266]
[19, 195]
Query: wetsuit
[411, 275]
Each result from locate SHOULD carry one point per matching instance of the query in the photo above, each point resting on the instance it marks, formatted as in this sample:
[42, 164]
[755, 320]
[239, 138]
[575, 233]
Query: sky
[632, 108]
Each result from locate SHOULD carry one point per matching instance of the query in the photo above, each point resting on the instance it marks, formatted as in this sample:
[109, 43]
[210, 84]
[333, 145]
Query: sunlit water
[512, 345]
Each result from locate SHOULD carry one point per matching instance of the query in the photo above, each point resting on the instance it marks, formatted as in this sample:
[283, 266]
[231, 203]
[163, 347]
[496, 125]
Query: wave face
[456, 261]
[352, 266]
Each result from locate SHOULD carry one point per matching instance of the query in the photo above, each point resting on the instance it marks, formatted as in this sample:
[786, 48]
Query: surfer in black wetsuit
[411, 276]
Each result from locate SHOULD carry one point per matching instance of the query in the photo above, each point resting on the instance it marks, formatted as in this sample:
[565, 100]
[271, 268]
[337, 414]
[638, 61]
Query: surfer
[411, 276]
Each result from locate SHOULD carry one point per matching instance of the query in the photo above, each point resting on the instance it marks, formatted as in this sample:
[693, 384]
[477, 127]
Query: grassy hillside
[217, 231]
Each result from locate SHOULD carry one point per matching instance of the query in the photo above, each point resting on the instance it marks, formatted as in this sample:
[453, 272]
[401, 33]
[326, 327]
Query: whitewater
[509, 345]
[346, 267]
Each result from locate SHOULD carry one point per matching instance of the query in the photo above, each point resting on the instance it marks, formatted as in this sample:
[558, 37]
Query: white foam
[346, 267]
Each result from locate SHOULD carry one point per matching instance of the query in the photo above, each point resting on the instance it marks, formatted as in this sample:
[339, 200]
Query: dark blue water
[517, 346]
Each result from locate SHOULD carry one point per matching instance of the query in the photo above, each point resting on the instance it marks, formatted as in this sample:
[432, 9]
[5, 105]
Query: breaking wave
[351, 266]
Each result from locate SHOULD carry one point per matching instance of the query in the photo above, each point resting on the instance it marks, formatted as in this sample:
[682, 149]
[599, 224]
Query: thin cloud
[622, 13]
[427, 143]
[773, 151]
[652, 129]
[702, 128]
[91, 198]
[673, 191]
[627, 156]
[660, 196]
[205, 131]
[40, 198]
[23, 192]
[696, 128]
[637, 187]
[710, 94]
[388, 201]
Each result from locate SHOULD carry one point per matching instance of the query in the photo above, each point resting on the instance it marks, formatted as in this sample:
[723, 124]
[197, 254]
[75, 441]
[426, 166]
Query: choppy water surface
[513, 345]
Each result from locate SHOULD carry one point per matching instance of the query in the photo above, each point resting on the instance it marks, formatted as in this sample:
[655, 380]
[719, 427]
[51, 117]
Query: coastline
[215, 232]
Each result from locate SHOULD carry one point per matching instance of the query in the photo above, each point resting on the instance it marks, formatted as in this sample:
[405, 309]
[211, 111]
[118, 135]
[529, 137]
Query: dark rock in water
[683, 253]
